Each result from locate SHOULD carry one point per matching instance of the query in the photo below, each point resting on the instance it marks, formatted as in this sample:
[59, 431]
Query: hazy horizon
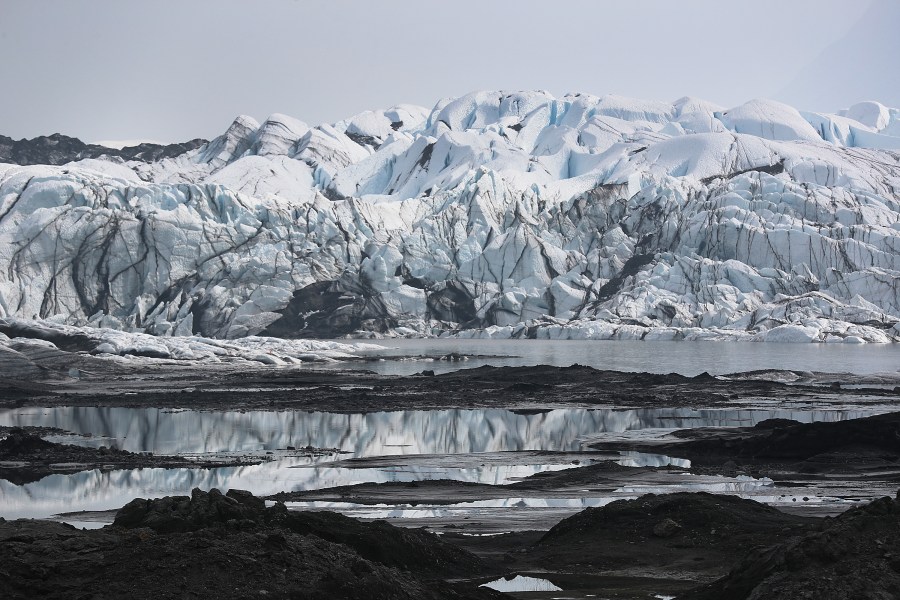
[171, 71]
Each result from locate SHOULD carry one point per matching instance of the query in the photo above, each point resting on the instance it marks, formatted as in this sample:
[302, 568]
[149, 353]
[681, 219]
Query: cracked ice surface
[492, 215]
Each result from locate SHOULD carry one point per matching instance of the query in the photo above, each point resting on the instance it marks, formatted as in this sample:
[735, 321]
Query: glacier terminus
[492, 215]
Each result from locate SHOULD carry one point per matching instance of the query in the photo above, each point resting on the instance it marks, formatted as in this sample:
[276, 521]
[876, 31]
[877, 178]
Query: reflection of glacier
[93, 490]
[521, 583]
[458, 442]
[459, 509]
[739, 484]
[454, 431]
[643, 459]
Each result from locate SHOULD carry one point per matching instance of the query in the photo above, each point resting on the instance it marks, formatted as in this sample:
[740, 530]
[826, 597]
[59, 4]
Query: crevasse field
[493, 215]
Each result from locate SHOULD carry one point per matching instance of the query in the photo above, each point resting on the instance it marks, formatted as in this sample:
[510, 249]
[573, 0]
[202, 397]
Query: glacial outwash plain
[513, 345]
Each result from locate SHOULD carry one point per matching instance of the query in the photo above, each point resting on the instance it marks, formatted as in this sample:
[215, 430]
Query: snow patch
[522, 583]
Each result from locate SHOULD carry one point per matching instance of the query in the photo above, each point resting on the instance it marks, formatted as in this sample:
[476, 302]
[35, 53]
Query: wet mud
[227, 387]
[865, 449]
[695, 545]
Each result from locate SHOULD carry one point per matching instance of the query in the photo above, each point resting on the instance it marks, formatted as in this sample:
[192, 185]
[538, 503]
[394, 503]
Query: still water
[486, 446]
[493, 446]
[685, 358]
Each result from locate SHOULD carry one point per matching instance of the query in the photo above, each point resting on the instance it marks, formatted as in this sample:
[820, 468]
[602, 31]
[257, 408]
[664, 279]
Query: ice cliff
[493, 214]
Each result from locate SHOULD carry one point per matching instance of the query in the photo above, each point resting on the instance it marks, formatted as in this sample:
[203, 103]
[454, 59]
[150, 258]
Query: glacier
[494, 214]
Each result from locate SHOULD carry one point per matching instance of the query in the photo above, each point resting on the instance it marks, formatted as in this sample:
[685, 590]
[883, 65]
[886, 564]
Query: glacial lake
[685, 358]
[493, 446]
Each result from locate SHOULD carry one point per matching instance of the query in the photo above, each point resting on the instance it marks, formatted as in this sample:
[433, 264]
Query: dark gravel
[216, 546]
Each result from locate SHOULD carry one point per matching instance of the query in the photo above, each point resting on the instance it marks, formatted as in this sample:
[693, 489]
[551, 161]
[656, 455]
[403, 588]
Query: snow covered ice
[522, 583]
[492, 215]
[31, 342]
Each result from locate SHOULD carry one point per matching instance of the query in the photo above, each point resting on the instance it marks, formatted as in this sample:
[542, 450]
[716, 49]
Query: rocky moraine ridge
[58, 149]
[493, 214]
[239, 549]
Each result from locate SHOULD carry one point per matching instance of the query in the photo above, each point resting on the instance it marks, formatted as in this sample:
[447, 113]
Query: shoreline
[542, 386]
[501, 523]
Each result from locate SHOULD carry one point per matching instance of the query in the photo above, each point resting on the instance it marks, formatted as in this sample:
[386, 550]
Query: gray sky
[172, 70]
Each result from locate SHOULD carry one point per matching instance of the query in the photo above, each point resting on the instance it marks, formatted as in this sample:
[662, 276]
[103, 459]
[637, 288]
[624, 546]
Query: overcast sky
[171, 70]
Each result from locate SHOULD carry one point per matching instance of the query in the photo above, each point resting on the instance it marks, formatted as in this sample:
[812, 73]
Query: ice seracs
[495, 214]
[769, 120]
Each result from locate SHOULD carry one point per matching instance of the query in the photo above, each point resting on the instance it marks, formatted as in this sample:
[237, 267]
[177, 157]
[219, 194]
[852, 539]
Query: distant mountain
[494, 214]
[58, 149]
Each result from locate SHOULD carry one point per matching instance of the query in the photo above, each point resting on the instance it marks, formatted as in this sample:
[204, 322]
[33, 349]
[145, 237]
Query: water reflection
[456, 431]
[715, 485]
[96, 490]
[522, 583]
[384, 511]
[492, 446]
[643, 459]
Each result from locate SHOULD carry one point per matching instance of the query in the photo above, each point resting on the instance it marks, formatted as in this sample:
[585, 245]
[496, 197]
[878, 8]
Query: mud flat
[618, 435]
[865, 451]
[541, 481]
[237, 387]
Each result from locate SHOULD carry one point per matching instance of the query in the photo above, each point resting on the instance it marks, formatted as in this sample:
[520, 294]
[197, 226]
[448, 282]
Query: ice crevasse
[491, 215]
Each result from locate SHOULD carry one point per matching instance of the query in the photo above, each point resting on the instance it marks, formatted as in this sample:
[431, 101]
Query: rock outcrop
[229, 546]
[58, 149]
[856, 555]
